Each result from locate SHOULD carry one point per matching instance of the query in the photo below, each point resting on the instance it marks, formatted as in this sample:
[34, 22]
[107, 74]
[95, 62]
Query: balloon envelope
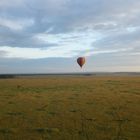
[81, 61]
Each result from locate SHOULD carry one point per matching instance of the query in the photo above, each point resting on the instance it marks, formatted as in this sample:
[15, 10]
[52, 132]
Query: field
[70, 108]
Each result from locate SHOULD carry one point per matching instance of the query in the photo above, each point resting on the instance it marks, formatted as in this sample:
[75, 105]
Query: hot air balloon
[81, 61]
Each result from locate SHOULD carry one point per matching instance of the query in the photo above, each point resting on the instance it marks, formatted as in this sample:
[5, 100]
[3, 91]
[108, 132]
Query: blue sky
[45, 36]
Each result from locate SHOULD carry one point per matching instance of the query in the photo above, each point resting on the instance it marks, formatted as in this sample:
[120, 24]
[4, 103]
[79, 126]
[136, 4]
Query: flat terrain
[70, 108]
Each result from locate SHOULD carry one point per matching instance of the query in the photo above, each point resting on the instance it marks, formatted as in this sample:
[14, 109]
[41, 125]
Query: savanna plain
[70, 108]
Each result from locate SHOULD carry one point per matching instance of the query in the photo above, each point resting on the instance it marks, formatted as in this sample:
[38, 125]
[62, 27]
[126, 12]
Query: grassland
[70, 108]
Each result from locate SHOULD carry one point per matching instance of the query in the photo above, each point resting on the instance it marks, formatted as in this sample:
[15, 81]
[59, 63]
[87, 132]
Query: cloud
[96, 52]
[67, 45]
[2, 53]
[34, 53]
[11, 3]
[18, 24]
[68, 29]
[38, 53]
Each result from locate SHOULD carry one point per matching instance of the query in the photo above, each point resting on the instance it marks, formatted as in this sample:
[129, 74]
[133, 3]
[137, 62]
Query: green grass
[70, 108]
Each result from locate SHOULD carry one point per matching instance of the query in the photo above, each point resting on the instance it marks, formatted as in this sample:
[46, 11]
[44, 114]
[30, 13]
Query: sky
[47, 36]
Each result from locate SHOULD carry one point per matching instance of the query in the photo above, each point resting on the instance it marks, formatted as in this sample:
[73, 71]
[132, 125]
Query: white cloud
[33, 29]
[57, 3]
[37, 53]
[132, 29]
[11, 3]
[17, 24]
[108, 51]
[34, 53]
[67, 45]
[73, 41]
